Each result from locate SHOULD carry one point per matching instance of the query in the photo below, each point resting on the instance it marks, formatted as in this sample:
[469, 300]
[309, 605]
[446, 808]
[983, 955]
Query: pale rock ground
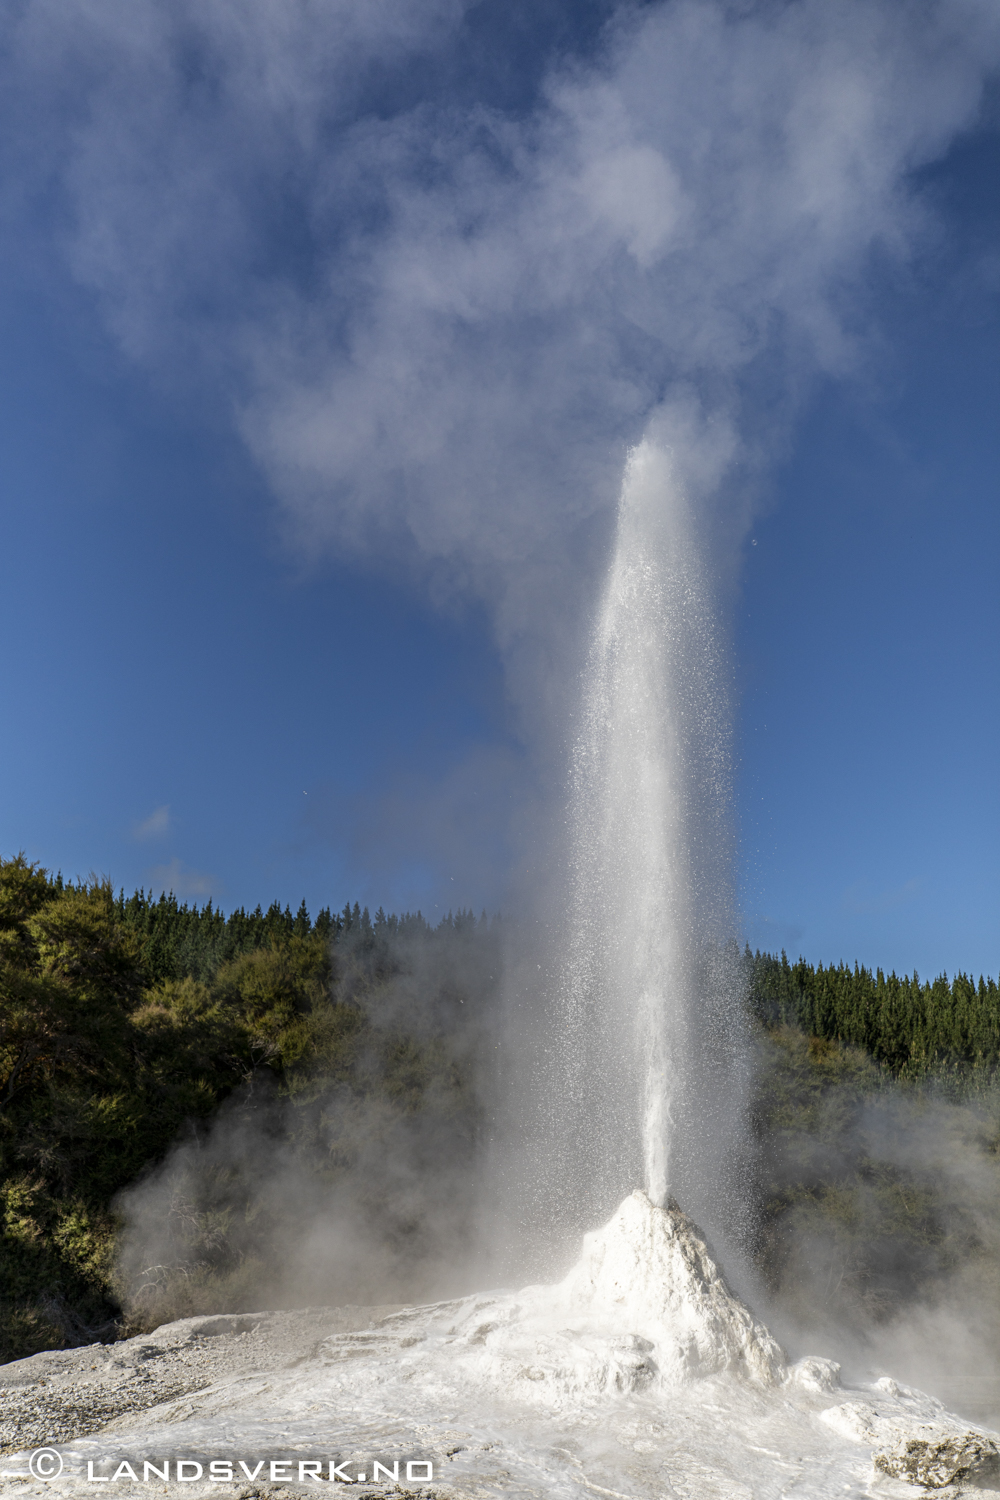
[640, 1375]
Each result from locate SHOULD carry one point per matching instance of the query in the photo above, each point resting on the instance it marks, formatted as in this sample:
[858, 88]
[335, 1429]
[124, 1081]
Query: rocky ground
[640, 1376]
[66, 1394]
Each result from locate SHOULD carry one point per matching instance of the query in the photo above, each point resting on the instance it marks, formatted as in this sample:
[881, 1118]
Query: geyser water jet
[647, 1014]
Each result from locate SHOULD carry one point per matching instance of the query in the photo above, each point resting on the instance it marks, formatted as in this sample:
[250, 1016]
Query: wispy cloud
[183, 881]
[152, 827]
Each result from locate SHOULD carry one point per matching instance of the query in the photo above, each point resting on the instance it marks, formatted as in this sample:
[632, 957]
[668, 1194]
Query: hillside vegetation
[913, 1028]
[125, 1022]
[176, 1086]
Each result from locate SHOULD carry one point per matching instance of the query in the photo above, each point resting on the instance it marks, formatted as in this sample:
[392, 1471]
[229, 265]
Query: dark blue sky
[327, 726]
[869, 633]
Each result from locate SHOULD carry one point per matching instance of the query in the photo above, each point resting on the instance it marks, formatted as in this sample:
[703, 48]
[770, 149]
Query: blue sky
[244, 673]
[869, 631]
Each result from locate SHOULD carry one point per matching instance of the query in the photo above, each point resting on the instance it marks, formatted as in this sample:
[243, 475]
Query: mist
[878, 1217]
[356, 1179]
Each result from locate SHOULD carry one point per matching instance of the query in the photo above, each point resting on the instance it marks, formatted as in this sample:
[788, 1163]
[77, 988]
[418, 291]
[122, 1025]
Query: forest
[153, 1055]
[912, 1028]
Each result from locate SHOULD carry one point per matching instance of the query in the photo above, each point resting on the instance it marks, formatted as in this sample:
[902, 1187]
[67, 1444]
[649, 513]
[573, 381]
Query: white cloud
[157, 823]
[440, 327]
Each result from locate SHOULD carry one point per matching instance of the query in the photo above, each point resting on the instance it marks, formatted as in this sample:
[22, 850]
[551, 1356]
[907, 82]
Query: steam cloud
[353, 1182]
[439, 324]
[898, 1269]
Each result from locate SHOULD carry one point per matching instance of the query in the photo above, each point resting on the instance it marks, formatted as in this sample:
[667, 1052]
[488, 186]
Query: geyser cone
[649, 1272]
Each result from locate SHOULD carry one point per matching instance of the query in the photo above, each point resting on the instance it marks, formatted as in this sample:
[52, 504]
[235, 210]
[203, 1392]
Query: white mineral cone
[648, 1271]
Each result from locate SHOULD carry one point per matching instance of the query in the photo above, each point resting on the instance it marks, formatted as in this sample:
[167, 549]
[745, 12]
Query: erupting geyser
[651, 1033]
[640, 1373]
[648, 1084]
[649, 1272]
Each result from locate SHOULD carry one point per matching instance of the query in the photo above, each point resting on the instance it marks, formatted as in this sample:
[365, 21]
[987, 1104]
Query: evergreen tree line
[913, 1028]
[909, 1026]
[180, 941]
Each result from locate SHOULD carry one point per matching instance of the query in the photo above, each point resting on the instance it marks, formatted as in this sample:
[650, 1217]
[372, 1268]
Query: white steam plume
[441, 326]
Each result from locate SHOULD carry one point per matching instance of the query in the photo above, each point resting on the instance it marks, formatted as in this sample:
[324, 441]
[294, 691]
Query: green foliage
[913, 1028]
[124, 1021]
[178, 941]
